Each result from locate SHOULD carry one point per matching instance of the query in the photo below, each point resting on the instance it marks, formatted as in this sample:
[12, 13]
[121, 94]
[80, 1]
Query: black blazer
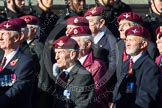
[80, 83]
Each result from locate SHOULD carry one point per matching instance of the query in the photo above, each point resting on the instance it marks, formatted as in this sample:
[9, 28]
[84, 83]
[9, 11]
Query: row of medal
[7, 80]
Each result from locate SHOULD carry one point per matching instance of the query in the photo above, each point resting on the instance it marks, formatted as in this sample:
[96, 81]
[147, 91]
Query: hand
[56, 69]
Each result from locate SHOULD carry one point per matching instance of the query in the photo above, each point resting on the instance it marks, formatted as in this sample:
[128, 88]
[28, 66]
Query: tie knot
[63, 74]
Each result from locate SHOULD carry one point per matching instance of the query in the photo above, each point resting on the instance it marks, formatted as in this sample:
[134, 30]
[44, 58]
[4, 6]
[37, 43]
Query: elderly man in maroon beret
[127, 20]
[95, 66]
[16, 69]
[104, 41]
[74, 84]
[138, 86]
[33, 27]
[75, 21]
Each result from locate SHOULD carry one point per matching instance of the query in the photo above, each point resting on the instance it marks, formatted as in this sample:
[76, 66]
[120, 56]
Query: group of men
[106, 56]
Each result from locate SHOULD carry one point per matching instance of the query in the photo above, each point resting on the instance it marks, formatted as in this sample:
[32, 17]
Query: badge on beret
[7, 25]
[75, 31]
[76, 20]
[27, 19]
[126, 15]
[60, 43]
[134, 31]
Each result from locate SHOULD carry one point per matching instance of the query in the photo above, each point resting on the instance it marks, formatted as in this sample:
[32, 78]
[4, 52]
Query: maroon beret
[65, 42]
[159, 31]
[29, 19]
[79, 31]
[95, 11]
[78, 21]
[10, 25]
[19, 21]
[138, 31]
[131, 16]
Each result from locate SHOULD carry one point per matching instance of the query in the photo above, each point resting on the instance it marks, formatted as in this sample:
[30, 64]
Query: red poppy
[13, 62]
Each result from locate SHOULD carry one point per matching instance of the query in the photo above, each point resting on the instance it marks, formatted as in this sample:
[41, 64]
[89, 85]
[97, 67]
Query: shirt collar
[10, 56]
[98, 37]
[67, 71]
[135, 58]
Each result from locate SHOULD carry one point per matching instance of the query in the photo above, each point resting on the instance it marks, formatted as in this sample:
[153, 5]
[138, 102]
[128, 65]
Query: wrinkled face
[77, 5]
[20, 4]
[32, 31]
[94, 24]
[62, 57]
[123, 26]
[134, 45]
[159, 44]
[6, 40]
[158, 6]
[82, 46]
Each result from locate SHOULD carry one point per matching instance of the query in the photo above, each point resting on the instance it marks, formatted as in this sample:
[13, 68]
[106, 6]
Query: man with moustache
[138, 86]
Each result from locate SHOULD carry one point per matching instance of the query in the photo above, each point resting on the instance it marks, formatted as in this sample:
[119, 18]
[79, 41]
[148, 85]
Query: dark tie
[130, 72]
[125, 55]
[64, 76]
[3, 62]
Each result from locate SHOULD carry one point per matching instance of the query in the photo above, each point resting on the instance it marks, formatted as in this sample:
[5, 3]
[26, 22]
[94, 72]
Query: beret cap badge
[60, 43]
[126, 15]
[7, 25]
[76, 20]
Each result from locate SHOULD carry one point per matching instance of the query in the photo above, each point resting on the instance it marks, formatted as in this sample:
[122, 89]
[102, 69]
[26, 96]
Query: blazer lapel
[73, 72]
[14, 60]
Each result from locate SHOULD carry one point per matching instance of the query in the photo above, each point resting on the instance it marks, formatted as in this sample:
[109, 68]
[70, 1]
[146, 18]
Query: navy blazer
[19, 94]
[144, 85]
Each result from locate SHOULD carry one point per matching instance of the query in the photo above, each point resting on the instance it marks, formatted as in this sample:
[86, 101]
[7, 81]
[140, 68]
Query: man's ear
[102, 23]
[89, 44]
[73, 55]
[144, 44]
[22, 37]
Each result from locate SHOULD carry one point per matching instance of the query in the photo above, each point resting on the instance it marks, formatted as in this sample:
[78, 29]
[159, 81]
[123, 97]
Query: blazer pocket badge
[67, 94]
[13, 62]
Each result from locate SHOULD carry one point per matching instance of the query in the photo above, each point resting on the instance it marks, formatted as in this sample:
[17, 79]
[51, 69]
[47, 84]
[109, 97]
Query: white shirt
[67, 71]
[98, 37]
[135, 58]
